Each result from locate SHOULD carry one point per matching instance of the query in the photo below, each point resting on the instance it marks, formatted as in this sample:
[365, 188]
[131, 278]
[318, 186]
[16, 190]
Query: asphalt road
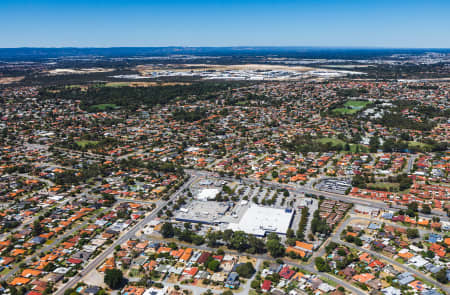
[297, 189]
[336, 237]
[393, 262]
[308, 267]
[410, 163]
[122, 239]
[422, 231]
[302, 189]
[45, 248]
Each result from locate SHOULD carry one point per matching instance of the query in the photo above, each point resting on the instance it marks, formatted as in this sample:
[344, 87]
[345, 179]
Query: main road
[303, 189]
[195, 174]
[122, 239]
[129, 234]
[48, 247]
[307, 267]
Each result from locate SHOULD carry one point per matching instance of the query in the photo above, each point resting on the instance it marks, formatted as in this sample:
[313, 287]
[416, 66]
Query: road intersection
[195, 175]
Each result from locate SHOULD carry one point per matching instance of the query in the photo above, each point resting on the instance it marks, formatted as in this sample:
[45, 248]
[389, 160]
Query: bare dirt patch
[9, 80]
[147, 69]
[78, 71]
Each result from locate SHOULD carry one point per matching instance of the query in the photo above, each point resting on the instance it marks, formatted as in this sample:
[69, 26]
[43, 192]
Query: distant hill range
[30, 54]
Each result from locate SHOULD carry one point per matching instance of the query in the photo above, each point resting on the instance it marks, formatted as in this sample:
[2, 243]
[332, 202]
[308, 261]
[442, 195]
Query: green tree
[239, 241]
[441, 276]
[214, 265]
[255, 284]
[167, 230]
[37, 228]
[113, 278]
[256, 245]
[374, 144]
[426, 209]
[275, 248]
[245, 270]
[322, 265]
[274, 174]
[412, 233]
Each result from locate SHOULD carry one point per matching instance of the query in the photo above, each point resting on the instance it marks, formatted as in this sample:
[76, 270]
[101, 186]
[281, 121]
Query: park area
[84, 143]
[351, 107]
[353, 148]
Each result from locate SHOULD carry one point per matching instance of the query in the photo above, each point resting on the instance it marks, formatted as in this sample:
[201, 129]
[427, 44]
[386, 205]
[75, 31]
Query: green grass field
[83, 143]
[336, 141]
[73, 86]
[117, 84]
[351, 107]
[356, 103]
[385, 186]
[421, 145]
[333, 141]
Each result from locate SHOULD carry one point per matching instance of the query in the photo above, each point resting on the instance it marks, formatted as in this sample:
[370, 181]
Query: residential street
[125, 236]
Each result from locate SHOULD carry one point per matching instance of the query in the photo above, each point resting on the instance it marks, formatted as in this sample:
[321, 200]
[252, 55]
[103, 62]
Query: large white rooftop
[259, 220]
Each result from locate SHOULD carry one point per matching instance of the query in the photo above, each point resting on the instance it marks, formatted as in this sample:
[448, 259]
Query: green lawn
[351, 107]
[345, 111]
[420, 145]
[135, 273]
[386, 186]
[83, 143]
[336, 141]
[333, 141]
[356, 103]
[103, 107]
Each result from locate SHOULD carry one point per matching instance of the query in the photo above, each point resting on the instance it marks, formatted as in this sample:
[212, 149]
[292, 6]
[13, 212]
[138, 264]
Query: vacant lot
[147, 69]
[9, 80]
[78, 71]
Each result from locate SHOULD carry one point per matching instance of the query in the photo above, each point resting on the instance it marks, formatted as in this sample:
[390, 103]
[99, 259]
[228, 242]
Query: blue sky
[99, 23]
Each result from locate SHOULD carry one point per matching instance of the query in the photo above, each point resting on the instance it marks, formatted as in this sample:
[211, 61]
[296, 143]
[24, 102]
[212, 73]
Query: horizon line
[227, 46]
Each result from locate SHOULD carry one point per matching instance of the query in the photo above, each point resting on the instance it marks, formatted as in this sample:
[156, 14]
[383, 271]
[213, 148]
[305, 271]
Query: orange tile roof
[30, 272]
[16, 252]
[19, 281]
[164, 250]
[187, 254]
[299, 252]
[364, 277]
[447, 241]
[304, 245]
[406, 255]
